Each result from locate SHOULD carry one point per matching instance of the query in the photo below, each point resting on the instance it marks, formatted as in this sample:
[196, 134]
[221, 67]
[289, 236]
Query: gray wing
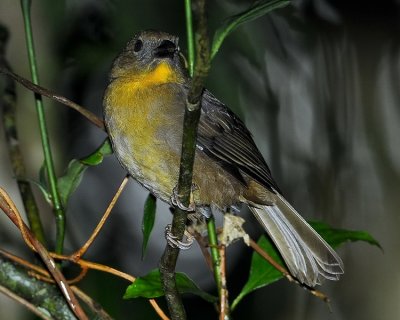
[224, 138]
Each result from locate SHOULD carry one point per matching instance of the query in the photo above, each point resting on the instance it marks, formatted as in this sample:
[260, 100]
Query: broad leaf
[335, 237]
[262, 273]
[258, 9]
[149, 215]
[68, 183]
[149, 286]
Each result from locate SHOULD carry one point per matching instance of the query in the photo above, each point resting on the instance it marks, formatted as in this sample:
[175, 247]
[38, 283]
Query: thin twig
[16, 275]
[97, 310]
[223, 292]
[113, 271]
[85, 265]
[52, 95]
[78, 254]
[25, 303]
[42, 274]
[8, 206]
[203, 244]
[41, 294]
[285, 273]
[24, 263]
[267, 257]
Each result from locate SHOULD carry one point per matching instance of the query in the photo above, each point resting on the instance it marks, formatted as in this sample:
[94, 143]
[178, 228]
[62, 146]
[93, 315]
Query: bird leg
[175, 199]
[175, 243]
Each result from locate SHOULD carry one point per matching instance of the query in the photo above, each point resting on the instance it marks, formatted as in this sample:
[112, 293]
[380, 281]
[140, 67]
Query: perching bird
[144, 105]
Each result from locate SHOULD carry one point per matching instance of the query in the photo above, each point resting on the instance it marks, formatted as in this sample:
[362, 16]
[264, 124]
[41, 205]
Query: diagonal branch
[56, 97]
[42, 298]
[9, 208]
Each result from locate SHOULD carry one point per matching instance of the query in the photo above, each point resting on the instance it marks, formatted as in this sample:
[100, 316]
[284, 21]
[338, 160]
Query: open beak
[166, 49]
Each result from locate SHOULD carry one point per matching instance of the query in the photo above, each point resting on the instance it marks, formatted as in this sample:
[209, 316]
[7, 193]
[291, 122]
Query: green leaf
[258, 9]
[336, 237]
[68, 183]
[262, 273]
[97, 157]
[42, 176]
[42, 184]
[42, 188]
[149, 215]
[149, 286]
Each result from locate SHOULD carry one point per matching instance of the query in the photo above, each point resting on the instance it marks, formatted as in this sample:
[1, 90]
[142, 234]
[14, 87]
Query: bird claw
[177, 202]
[175, 243]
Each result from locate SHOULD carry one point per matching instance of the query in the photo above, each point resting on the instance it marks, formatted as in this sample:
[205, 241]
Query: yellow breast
[134, 112]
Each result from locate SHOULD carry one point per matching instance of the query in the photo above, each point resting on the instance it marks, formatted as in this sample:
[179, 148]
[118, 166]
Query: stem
[48, 159]
[191, 120]
[219, 268]
[189, 35]
[224, 312]
[8, 102]
[213, 243]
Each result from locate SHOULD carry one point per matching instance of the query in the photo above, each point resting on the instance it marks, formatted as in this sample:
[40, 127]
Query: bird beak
[166, 49]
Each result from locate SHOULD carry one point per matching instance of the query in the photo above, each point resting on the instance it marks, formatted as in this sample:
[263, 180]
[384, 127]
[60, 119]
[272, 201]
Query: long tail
[305, 253]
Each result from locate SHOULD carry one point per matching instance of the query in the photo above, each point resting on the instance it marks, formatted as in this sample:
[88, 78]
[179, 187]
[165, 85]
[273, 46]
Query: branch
[42, 295]
[9, 208]
[191, 120]
[52, 95]
[42, 298]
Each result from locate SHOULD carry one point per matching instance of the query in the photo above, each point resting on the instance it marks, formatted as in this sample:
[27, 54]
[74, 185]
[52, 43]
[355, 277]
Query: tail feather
[305, 253]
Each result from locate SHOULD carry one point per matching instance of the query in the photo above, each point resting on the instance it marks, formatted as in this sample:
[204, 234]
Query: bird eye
[138, 46]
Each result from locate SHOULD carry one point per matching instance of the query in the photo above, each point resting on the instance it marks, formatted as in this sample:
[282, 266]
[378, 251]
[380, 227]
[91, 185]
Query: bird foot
[177, 202]
[175, 243]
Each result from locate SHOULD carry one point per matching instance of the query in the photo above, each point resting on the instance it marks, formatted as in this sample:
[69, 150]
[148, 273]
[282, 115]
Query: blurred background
[318, 85]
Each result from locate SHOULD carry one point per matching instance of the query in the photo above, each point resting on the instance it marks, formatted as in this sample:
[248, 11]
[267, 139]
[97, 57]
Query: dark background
[318, 85]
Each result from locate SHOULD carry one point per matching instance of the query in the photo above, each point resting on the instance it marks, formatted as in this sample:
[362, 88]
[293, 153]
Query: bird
[143, 107]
